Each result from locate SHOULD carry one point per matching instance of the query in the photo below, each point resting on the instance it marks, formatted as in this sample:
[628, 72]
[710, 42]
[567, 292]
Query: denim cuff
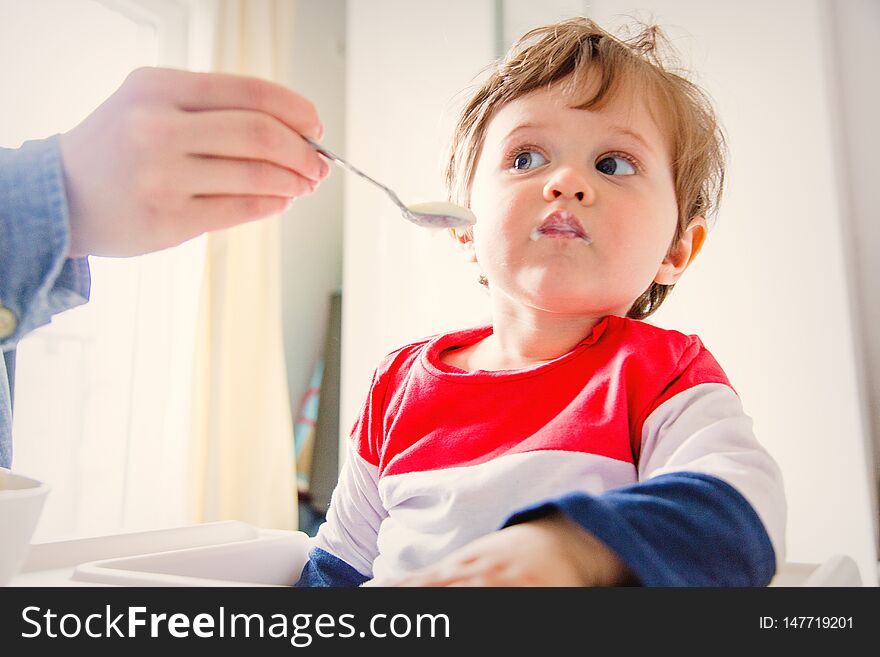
[37, 278]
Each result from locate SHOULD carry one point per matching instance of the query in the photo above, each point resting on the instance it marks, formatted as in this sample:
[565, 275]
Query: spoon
[428, 215]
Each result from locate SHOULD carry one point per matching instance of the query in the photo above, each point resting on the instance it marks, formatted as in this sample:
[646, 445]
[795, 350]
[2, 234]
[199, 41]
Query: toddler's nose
[569, 183]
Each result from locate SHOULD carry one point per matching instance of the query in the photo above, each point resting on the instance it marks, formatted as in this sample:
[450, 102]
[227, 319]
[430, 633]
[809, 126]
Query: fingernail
[320, 132]
[324, 169]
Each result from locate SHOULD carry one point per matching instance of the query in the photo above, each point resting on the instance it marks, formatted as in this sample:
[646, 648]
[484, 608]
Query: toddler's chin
[568, 304]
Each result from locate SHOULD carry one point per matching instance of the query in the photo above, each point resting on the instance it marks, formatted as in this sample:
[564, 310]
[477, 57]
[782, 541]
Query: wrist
[596, 563]
[75, 243]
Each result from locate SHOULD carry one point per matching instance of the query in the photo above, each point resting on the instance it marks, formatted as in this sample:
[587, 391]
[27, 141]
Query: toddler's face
[576, 209]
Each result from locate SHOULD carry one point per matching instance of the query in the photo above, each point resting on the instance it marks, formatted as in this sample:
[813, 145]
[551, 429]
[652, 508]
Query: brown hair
[577, 48]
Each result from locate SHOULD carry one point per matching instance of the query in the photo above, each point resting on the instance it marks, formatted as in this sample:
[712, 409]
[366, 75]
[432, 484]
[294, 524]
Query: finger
[474, 571]
[434, 577]
[418, 579]
[213, 91]
[461, 565]
[460, 580]
[219, 212]
[250, 135]
[208, 176]
[472, 582]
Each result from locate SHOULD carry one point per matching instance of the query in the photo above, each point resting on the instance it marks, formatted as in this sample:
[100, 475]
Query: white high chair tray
[237, 554]
[212, 554]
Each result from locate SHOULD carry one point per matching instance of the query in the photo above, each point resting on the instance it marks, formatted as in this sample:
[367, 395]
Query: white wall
[312, 228]
[407, 64]
[768, 295]
[856, 27]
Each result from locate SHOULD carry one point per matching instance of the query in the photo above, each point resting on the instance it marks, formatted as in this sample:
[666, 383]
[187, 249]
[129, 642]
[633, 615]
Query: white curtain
[243, 465]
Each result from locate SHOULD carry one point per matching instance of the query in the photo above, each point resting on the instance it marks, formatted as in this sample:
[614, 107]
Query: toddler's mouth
[561, 224]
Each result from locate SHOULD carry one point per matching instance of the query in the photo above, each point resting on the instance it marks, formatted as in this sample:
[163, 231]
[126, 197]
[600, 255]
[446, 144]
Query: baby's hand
[551, 551]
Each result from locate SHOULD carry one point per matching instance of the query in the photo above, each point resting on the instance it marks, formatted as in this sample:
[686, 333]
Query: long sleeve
[37, 279]
[346, 545]
[709, 507]
[343, 551]
[675, 530]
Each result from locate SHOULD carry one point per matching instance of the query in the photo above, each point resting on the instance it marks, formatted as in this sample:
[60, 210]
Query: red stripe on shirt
[422, 414]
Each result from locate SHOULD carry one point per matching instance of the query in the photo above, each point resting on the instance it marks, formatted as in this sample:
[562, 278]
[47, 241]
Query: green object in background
[304, 429]
[316, 430]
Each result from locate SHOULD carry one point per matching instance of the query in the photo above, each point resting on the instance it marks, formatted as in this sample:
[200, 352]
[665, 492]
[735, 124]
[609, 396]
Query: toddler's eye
[527, 160]
[615, 165]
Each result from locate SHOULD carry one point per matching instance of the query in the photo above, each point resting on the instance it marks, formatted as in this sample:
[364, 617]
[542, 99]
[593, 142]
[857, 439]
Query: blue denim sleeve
[677, 529]
[37, 279]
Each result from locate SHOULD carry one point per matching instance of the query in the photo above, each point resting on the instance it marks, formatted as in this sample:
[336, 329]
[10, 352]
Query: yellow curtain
[243, 464]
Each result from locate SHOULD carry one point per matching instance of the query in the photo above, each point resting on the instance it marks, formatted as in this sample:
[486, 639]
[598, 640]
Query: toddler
[570, 442]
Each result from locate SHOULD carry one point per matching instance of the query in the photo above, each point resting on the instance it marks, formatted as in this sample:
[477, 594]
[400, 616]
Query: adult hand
[172, 154]
[550, 551]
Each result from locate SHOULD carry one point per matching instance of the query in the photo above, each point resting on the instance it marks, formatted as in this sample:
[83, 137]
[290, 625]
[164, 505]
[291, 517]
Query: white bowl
[21, 501]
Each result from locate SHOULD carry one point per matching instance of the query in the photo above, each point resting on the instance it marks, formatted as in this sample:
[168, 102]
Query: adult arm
[170, 155]
[37, 279]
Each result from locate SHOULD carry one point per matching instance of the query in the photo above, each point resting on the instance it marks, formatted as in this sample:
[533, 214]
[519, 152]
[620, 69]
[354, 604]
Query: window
[102, 392]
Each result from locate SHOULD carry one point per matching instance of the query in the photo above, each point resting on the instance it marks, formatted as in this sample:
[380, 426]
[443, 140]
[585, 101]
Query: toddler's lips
[561, 224]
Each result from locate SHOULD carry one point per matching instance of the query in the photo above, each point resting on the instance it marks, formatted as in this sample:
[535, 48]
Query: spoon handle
[348, 165]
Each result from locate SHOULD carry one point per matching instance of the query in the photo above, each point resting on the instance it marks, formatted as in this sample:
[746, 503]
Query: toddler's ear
[465, 239]
[682, 254]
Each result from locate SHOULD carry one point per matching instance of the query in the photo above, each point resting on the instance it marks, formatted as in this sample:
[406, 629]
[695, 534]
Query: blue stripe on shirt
[325, 570]
[680, 529]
